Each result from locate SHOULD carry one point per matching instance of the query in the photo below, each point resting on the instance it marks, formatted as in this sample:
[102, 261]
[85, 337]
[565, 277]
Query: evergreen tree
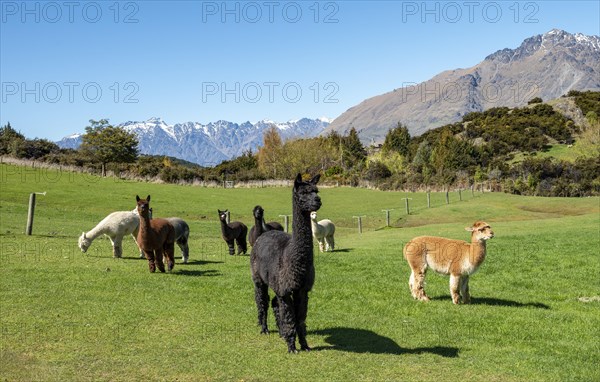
[397, 139]
[353, 152]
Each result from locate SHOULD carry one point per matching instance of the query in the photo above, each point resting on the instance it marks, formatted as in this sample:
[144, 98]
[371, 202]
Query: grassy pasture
[65, 315]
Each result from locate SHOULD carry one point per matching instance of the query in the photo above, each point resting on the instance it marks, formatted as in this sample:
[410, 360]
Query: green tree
[270, 153]
[353, 152]
[397, 139]
[105, 143]
[8, 138]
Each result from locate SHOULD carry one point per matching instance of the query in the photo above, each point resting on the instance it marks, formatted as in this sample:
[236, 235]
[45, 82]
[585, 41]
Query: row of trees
[480, 148]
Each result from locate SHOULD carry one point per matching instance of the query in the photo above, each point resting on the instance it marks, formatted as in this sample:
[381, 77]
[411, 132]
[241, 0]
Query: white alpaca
[323, 231]
[121, 223]
[115, 226]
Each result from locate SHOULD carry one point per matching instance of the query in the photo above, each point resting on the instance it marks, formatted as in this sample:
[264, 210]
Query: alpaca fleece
[285, 263]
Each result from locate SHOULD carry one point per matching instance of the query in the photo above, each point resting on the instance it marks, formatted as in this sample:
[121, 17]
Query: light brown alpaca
[156, 237]
[456, 258]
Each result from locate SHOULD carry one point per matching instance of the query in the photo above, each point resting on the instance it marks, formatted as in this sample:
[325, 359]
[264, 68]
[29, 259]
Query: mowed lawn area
[69, 316]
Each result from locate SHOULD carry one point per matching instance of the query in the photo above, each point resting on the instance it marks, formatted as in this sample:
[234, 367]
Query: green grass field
[69, 316]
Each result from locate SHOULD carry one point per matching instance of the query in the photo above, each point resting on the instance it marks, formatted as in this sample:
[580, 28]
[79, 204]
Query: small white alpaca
[456, 258]
[115, 226]
[323, 231]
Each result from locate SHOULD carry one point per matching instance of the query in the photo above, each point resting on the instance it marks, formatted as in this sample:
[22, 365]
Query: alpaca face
[481, 231]
[258, 212]
[84, 243]
[143, 206]
[306, 194]
[223, 215]
[313, 215]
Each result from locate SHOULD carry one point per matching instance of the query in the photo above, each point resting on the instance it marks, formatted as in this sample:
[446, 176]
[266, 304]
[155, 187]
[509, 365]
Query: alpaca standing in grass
[323, 231]
[285, 263]
[260, 226]
[116, 225]
[233, 232]
[156, 237]
[182, 233]
[456, 258]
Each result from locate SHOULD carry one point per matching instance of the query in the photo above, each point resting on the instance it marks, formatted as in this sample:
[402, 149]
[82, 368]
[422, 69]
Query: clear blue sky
[63, 63]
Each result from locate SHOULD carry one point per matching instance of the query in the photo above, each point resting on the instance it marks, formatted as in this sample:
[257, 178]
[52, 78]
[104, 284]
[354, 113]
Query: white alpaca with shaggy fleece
[115, 226]
[323, 231]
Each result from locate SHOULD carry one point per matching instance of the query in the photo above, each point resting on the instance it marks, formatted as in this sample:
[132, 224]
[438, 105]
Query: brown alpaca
[156, 237]
[456, 258]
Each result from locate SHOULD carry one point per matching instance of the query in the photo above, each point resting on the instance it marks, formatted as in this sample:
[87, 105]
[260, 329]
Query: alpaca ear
[148, 199]
[315, 179]
[137, 198]
[83, 234]
[470, 229]
[298, 180]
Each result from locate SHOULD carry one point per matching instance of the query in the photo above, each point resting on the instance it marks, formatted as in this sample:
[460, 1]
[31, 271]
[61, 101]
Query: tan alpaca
[456, 258]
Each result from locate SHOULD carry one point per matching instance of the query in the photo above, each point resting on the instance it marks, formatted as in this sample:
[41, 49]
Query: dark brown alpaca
[156, 237]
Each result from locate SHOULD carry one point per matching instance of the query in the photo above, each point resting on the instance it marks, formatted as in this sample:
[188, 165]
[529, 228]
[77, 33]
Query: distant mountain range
[210, 144]
[545, 66]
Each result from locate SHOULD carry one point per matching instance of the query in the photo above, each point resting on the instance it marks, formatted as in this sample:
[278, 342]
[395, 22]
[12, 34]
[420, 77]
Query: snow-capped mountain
[210, 144]
[546, 65]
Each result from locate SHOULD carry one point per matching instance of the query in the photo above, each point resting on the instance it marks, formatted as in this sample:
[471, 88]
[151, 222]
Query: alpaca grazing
[156, 237]
[260, 226]
[234, 231]
[116, 225]
[285, 263]
[323, 231]
[456, 258]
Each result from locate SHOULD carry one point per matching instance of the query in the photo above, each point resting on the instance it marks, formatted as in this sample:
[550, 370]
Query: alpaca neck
[144, 222]
[478, 251]
[263, 225]
[224, 228]
[302, 235]
[98, 230]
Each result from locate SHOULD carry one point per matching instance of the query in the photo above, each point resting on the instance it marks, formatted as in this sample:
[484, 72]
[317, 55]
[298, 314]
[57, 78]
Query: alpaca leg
[301, 307]
[331, 243]
[241, 245]
[464, 290]
[455, 288]
[411, 284]
[169, 251]
[261, 297]
[159, 260]
[419, 285]
[185, 250]
[231, 248]
[275, 306]
[287, 321]
[321, 244]
[151, 263]
[118, 247]
[134, 235]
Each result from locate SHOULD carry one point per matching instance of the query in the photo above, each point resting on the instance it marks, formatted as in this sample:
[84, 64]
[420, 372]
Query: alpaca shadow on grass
[197, 272]
[200, 262]
[366, 341]
[498, 302]
[342, 250]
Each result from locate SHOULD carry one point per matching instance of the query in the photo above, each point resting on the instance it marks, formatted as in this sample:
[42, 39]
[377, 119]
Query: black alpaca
[234, 231]
[285, 263]
[260, 226]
